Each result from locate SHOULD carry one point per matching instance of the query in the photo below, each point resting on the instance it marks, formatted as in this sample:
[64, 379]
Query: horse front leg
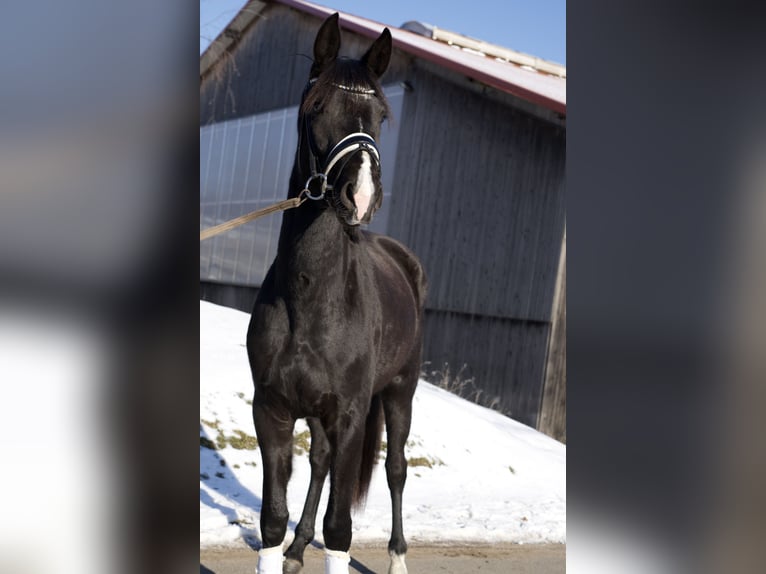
[275, 439]
[397, 405]
[319, 457]
[346, 439]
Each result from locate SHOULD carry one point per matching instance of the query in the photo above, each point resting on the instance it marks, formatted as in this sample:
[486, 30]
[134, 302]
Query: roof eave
[230, 35]
[554, 100]
[400, 38]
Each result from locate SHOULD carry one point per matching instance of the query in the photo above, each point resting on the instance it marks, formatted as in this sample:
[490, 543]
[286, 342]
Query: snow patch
[491, 479]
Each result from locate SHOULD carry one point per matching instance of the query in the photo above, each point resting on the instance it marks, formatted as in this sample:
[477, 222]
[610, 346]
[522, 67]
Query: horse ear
[379, 54]
[326, 45]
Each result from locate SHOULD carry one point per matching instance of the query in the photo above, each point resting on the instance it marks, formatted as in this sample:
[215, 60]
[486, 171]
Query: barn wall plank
[479, 196]
[502, 359]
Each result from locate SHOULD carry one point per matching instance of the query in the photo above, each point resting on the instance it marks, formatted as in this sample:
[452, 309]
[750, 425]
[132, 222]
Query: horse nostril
[347, 195]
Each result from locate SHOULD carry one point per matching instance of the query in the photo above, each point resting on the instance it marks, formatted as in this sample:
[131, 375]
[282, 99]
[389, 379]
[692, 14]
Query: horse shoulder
[269, 325]
[405, 261]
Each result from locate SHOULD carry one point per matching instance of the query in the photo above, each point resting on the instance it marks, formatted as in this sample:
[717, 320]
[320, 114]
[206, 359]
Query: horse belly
[399, 344]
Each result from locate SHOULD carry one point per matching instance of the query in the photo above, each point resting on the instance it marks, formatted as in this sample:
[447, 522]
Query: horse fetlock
[304, 536]
[337, 531]
[271, 533]
[397, 546]
[295, 551]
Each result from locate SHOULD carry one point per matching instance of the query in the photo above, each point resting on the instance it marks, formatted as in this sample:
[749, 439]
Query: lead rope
[291, 203]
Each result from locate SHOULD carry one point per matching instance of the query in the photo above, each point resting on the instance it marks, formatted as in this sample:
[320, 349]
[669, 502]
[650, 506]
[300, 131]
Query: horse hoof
[291, 566]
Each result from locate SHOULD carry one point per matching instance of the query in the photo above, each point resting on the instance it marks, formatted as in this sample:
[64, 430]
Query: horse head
[341, 112]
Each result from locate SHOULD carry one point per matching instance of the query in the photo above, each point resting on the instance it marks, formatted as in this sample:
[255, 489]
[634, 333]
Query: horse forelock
[350, 76]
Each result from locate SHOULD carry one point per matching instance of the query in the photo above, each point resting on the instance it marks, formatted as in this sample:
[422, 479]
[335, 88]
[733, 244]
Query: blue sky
[536, 27]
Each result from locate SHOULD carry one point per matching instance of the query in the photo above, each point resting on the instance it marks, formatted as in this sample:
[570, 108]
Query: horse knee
[273, 535]
[319, 458]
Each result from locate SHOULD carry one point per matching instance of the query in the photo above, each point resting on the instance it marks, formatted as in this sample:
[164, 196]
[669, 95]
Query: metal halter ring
[323, 187]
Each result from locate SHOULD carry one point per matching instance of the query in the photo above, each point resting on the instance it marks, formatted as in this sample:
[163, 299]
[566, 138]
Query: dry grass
[458, 384]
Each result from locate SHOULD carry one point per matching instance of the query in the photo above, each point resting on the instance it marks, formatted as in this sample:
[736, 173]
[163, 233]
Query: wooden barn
[473, 167]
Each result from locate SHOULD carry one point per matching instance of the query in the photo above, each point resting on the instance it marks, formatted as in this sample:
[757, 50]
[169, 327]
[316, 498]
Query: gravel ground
[519, 559]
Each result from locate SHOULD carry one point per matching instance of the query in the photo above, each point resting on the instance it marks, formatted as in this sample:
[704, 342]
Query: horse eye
[317, 107]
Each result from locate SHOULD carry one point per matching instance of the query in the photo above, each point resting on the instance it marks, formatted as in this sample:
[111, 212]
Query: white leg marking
[270, 560]
[397, 564]
[336, 562]
[365, 187]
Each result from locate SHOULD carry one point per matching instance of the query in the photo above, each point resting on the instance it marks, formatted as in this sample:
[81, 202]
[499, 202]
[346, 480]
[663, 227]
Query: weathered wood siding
[270, 65]
[479, 196]
[498, 362]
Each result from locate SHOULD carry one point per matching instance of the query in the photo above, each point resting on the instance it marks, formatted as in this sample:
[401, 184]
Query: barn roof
[531, 79]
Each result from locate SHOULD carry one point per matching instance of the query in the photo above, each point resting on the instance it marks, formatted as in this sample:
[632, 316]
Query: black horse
[335, 334]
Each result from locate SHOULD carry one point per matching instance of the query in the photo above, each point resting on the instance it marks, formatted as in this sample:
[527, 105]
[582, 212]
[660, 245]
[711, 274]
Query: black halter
[340, 153]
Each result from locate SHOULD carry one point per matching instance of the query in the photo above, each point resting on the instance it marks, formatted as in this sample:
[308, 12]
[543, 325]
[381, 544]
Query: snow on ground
[474, 476]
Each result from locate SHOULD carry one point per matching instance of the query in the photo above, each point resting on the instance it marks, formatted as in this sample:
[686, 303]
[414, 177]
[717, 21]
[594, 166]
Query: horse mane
[350, 76]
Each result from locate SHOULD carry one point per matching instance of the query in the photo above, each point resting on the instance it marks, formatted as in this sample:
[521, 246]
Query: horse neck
[313, 243]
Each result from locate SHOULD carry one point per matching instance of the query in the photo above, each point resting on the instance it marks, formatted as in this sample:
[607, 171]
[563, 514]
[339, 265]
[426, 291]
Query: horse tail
[373, 429]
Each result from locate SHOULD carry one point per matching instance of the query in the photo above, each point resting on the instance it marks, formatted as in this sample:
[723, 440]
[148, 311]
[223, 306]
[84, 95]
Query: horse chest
[308, 350]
